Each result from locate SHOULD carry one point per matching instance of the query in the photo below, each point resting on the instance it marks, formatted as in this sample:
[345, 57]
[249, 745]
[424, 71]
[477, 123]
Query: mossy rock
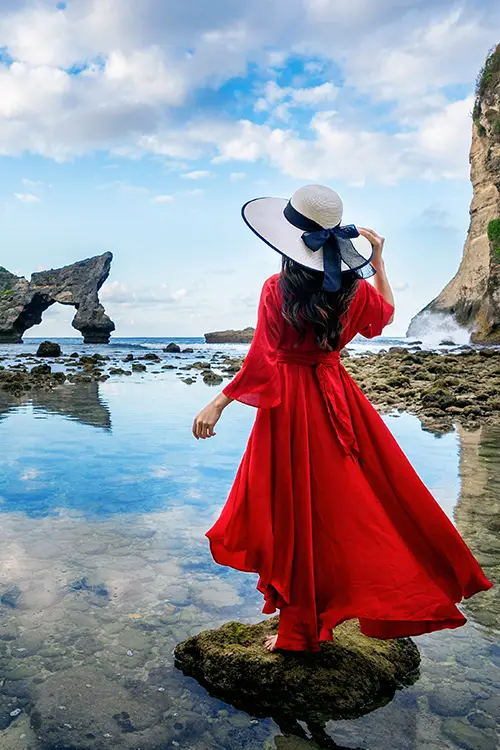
[351, 676]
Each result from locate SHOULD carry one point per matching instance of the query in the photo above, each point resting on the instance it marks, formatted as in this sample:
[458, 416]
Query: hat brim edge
[366, 262]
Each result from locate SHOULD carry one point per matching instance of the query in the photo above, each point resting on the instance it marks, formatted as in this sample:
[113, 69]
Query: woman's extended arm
[381, 282]
[258, 382]
[205, 421]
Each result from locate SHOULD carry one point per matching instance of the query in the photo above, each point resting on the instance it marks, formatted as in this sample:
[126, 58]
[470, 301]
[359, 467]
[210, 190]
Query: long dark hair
[306, 306]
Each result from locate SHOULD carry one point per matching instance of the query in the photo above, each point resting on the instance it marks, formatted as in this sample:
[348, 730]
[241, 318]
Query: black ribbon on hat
[336, 244]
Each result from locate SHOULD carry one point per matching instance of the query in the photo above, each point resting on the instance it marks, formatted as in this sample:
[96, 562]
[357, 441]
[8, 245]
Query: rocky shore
[461, 386]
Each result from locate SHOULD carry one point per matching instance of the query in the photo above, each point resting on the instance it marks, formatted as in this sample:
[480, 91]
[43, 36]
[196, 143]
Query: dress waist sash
[308, 359]
[332, 389]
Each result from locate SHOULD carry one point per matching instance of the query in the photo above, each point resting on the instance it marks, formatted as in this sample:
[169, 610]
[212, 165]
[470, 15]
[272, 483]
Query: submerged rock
[172, 348]
[82, 584]
[11, 597]
[81, 709]
[351, 676]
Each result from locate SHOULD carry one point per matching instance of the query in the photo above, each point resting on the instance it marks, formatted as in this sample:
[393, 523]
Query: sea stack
[23, 302]
[472, 297]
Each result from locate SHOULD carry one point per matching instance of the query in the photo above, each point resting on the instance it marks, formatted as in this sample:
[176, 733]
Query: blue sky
[142, 128]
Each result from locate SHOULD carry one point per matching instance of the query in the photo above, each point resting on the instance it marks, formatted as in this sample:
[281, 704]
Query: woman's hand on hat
[376, 241]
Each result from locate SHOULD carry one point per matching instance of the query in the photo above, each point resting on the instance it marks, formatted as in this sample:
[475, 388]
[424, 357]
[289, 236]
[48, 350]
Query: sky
[142, 128]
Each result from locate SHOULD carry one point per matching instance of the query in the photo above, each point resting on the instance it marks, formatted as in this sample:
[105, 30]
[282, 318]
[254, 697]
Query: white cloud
[444, 137]
[435, 217]
[236, 176]
[33, 183]
[197, 174]
[315, 95]
[162, 198]
[313, 67]
[401, 286]
[124, 187]
[27, 197]
[438, 49]
[102, 75]
[179, 294]
[196, 193]
[335, 149]
[160, 295]
[275, 97]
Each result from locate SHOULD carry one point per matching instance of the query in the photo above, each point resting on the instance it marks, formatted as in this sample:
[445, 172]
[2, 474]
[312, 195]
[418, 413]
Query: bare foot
[270, 642]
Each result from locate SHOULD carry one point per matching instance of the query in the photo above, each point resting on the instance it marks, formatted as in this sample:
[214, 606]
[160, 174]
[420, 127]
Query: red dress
[326, 507]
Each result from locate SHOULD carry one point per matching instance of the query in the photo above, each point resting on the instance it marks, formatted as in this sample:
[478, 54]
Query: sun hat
[307, 229]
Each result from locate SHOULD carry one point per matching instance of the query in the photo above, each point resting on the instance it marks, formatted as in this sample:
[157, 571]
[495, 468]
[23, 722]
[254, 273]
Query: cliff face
[472, 297]
[23, 302]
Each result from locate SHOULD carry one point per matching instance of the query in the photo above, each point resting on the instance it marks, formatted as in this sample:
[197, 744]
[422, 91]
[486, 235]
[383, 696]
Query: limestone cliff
[23, 302]
[472, 297]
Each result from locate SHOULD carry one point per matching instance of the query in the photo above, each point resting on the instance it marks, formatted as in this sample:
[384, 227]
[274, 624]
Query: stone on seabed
[351, 676]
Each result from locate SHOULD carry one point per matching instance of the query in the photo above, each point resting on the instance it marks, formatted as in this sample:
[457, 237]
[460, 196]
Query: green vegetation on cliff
[488, 76]
[494, 236]
[489, 73]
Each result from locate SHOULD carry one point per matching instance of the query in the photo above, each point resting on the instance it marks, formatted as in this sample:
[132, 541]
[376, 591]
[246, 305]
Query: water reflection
[477, 514]
[125, 510]
[81, 402]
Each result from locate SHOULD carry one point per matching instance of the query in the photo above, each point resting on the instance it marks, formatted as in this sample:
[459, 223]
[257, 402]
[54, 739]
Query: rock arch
[23, 302]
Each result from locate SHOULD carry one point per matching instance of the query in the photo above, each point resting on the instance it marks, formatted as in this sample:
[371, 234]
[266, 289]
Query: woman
[326, 508]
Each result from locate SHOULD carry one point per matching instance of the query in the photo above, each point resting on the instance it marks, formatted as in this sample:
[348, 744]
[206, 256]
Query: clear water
[104, 483]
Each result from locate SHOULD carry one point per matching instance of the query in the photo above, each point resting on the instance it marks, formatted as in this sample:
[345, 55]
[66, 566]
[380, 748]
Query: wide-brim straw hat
[284, 224]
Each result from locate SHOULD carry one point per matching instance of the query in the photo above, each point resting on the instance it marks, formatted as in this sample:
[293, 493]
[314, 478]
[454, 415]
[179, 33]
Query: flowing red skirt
[337, 523]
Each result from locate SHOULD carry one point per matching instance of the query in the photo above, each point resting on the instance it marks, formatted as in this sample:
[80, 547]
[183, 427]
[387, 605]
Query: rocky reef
[459, 386]
[230, 337]
[351, 676]
[472, 297]
[23, 302]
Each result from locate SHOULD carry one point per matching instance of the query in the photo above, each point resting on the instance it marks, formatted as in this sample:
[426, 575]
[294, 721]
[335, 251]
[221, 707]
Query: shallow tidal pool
[104, 567]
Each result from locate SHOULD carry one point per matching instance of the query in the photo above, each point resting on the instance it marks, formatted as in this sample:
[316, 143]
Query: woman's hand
[205, 421]
[376, 241]
[381, 282]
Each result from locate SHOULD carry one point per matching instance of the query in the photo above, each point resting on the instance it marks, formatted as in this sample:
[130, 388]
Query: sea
[123, 345]
[105, 499]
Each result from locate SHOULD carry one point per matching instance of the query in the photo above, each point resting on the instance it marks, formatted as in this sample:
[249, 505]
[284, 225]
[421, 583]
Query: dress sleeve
[374, 312]
[258, 383]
